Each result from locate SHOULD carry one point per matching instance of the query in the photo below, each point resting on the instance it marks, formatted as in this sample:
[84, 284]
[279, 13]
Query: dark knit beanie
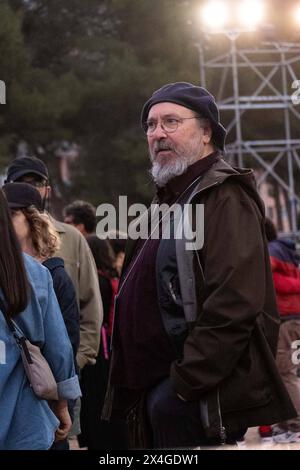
[196, 98]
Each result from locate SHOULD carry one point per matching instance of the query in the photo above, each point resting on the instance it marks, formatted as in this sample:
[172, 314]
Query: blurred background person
[27, 422]
[285, 264]
[118, 240]
[82, 215]
[38, 238]
[77, 257]
[95, 433]
[79, 264]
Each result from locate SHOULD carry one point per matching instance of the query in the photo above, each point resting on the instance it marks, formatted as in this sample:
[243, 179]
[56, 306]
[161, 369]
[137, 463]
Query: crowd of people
[152, 344]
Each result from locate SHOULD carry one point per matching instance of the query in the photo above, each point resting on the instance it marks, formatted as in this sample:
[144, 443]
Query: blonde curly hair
[45, 239]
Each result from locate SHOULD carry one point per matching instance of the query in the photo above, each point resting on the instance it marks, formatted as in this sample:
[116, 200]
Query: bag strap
[20, 339]
[8, 320]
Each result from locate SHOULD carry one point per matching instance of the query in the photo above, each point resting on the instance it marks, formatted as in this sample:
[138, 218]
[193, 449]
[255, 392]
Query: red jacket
[286, 274]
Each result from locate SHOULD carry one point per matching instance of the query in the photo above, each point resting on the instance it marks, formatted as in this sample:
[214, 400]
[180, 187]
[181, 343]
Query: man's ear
[207, 134]
[80, 227]
[48, 192]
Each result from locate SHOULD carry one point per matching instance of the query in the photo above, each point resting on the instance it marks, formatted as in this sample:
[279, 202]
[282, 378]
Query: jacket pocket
[248, 386]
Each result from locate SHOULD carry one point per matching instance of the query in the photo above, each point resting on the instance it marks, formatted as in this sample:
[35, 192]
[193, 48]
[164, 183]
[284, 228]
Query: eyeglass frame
[35, 183]
[178, 119]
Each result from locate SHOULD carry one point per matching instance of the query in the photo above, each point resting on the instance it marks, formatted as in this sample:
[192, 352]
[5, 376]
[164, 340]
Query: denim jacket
[27, 422]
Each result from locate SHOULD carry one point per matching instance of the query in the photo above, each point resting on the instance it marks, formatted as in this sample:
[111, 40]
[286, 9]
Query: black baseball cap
[26, 166]
[22, 195]
[191, 96]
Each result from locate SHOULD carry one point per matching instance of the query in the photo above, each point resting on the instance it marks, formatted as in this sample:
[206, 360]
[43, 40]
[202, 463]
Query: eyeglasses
[36, 183]
[168, 124]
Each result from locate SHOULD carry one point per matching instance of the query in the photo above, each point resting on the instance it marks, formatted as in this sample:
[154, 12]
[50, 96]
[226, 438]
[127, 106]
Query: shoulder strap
[7, 319]
[20, 339]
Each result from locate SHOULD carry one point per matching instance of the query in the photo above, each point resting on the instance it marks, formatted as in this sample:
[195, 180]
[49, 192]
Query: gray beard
[161, 174]
[186, 155]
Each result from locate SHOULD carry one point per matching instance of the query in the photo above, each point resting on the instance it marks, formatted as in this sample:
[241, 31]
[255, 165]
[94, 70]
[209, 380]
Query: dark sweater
[143, 353]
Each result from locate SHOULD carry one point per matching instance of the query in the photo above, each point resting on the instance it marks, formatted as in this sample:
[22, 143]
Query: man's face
[69, 219]
[40, 184]
[172, 152]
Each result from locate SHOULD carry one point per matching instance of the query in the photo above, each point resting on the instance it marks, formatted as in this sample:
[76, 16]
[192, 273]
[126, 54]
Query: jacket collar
[178, 184]
[59, 226]
[217, 174]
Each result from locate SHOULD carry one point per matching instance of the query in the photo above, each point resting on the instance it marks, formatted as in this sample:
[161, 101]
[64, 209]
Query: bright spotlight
[250, 13]
[215, 14]
[297, 15]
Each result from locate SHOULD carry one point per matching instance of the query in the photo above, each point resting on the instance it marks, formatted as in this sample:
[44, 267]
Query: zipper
[113, 323]
[216, 183]
[172, 292]
[222, 428]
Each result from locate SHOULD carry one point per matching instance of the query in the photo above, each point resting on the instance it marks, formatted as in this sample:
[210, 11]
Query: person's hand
[60, 409]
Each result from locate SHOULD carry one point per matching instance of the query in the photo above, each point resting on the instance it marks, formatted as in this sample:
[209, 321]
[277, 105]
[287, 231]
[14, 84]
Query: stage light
[215, 14]
[250, 13]
[296, 15]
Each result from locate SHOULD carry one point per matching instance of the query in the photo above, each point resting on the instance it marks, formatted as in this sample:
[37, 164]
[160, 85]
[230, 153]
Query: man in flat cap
[196, 329]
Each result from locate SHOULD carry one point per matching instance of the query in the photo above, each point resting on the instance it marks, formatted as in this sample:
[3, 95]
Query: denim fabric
[27, 422]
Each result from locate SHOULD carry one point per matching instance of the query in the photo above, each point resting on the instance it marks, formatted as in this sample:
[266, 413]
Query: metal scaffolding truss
[254, 91]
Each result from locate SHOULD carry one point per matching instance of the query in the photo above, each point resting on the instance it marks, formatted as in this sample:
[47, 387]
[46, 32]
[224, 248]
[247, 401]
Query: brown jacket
[228, 360]
[229, 309]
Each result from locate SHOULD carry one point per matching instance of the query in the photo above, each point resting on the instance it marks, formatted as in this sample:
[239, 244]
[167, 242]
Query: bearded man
[196, 330]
